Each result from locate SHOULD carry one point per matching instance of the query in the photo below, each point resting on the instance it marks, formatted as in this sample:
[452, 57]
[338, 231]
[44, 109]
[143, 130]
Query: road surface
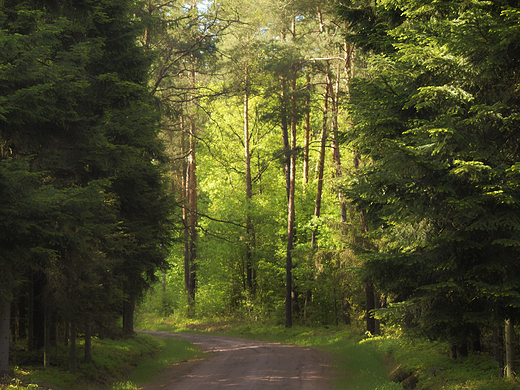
[235, 363]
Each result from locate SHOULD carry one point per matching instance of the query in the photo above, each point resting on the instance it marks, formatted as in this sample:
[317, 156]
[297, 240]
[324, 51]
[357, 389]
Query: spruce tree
[436, 123]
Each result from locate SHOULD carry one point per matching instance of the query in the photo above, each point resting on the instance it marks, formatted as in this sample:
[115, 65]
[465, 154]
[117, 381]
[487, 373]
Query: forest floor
[244, 363]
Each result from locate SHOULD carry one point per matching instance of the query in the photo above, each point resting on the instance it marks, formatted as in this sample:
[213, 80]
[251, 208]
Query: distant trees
[84, 213]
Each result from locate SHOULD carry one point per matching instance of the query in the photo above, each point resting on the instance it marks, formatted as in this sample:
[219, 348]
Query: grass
[436, 371]
[363, 362]
[173, 351]
[361, 366]
[117, 364]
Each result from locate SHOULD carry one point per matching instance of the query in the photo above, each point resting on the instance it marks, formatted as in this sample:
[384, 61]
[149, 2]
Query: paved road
[235, 363]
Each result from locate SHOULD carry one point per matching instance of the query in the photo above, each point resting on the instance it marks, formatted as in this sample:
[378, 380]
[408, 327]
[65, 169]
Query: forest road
[235, 363]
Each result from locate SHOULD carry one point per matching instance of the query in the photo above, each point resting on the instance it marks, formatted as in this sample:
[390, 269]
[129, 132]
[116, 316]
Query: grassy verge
[117, 364]
[367, 363]
[361, 366]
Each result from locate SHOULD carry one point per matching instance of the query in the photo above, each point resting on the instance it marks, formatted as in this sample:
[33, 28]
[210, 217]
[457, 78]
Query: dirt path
[235, 363]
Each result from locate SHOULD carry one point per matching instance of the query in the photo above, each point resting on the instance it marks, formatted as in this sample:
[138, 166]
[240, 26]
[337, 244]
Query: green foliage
[171, 351]
[435, 369]
[435, 123]
[112, 361]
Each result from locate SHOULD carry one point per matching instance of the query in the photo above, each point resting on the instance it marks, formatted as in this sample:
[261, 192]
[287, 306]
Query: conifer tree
[436, 122]
[74, 98]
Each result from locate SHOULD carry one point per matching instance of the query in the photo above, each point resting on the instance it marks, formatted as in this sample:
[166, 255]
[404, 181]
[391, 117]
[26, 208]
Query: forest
[306, 162]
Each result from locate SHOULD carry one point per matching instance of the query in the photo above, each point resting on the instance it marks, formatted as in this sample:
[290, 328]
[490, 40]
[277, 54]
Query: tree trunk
[183, 196]
[498, 349]
[192, 203]
[291, 209]
[36, 312]
[285, 135]
[321, 163]
[335, 145]
[249, 226]
[47, 332]
[128, 314]
[510, 349]
[20, 313]
[72, 347]
[307, 133]
[88, 340]
[5, 319]
[192, 270]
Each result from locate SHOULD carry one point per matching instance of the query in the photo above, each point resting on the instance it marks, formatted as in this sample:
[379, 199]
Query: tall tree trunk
[285, 135]
[46, 331]
[307, 134]
[510, 349]
[5, 320]
[370, 302]
[88, 340]
[335, 145]
[128, 314]
[192, 201]
[321, 163]
[285, 129]
[36, 312]
[291, 208]
[498, 349]
[163, 282]
[249, 226]
[72, 347]
[183, 195]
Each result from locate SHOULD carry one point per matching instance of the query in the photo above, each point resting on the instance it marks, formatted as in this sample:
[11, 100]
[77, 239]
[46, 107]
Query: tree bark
[5, 319]
[36, 311]
[192, 203]
[336, 156]
[285, 135]
[510, 349]
[184, 191]
[321, 163]
[307, 134]
[128, 314]
[88, 340]
[72, 347]
[249, 226]
[47, 332]
[291, 208]
[498, 349]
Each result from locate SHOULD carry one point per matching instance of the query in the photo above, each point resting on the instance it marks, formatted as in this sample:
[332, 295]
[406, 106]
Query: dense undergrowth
[363, 362]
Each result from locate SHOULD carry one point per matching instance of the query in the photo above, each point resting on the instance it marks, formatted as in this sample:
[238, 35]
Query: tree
[74, 98]
[436, 123]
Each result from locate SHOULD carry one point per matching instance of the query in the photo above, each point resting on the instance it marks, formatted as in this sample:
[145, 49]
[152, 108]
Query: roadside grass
[172, 351]
[366, 362]
[116, 364]
[363, 362]
[434, 368]
[360, 366]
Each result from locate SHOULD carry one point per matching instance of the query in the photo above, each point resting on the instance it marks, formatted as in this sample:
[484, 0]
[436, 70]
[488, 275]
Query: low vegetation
[117, 364]
[365, 361]
[389, 362]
